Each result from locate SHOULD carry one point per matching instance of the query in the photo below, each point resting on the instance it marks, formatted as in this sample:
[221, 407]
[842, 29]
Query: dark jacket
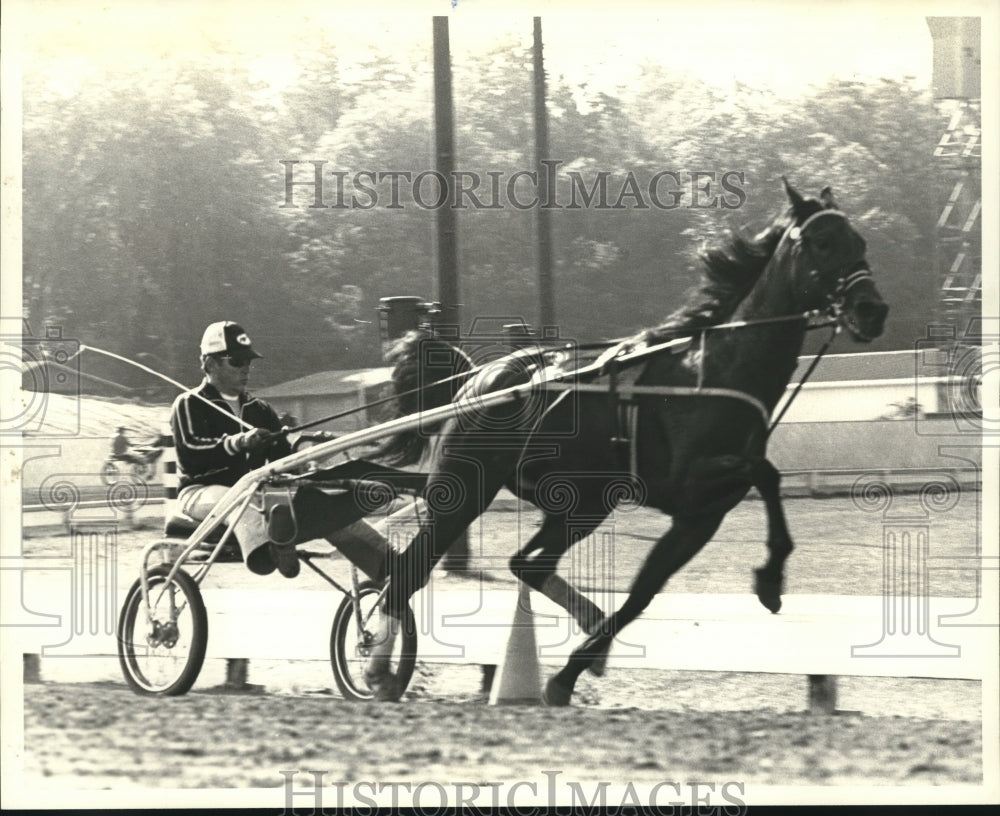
[120, 445]
[204, 441]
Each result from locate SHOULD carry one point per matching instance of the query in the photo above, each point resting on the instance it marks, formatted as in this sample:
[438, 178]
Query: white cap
[226, 337]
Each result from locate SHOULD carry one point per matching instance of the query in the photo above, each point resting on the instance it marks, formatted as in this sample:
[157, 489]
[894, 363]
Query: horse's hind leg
[680, 544]
[769, 579]
[535, 564]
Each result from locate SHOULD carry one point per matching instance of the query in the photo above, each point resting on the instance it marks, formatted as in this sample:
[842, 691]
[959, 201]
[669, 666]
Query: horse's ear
[798, 202]
[826, 197]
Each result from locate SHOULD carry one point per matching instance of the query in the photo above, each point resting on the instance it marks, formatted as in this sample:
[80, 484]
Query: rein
[814, 319]
[163, 377]
[806, 376]
[626, 350]
[850, 275]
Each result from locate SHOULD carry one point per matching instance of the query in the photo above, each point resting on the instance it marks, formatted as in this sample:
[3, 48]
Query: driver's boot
[314, 514]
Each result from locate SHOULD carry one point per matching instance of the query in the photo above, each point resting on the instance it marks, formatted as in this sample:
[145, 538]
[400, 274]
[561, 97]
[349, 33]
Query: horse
[692, 447]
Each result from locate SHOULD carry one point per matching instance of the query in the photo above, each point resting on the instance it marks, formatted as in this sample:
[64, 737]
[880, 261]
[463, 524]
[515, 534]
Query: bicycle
[141, 465]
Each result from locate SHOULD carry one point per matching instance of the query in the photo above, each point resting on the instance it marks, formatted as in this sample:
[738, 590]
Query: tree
[154, 198]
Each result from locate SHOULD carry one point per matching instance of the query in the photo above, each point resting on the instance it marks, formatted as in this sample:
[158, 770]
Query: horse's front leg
[456, 494]
[408, 572]
[535, 564]
[682, 541]
[377, 673]
[769, 579]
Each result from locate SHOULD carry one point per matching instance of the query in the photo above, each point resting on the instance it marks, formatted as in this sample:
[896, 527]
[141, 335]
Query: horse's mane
[729, 271]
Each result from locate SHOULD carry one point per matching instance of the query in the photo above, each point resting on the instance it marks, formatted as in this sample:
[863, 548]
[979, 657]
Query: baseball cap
[226, 337]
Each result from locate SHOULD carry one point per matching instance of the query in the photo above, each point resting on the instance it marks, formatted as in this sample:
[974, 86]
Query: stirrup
[282, 526]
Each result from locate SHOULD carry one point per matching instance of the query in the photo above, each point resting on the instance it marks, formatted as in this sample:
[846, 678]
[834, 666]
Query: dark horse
[697, 438]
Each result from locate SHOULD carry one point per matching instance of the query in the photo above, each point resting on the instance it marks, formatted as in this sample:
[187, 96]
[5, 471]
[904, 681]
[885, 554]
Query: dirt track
[642, 728]
[106, 737]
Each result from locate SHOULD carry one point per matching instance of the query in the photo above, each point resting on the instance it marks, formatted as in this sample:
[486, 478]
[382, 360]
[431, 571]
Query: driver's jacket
[204, 437]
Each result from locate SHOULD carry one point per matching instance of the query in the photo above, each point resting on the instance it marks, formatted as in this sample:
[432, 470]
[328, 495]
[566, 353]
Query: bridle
[848, 276]
[618, 352]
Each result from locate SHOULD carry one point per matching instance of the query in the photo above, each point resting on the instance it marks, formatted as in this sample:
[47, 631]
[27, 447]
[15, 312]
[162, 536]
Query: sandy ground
[106, 737]
[642, 727]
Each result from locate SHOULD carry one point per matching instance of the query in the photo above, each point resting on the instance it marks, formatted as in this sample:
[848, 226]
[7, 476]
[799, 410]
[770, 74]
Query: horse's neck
[763, 358]
[760, 358]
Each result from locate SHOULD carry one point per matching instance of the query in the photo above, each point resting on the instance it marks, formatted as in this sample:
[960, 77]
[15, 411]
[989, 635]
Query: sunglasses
[235, 362]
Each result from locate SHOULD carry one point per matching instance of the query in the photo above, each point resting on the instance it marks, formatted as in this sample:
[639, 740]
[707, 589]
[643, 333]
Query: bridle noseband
[848, 275]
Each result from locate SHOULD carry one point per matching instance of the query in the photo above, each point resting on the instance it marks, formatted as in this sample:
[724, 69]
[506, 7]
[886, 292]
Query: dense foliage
[152, 199]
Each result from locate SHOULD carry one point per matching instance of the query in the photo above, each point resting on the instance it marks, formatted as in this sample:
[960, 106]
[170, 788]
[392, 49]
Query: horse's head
[828, 267]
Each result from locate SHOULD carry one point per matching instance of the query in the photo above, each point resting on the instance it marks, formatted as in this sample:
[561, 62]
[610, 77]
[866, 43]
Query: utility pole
[456, 559]
[543, 213]
[446, 244]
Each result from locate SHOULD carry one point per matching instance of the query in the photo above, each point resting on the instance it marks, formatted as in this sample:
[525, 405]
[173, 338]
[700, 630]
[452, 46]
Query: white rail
[814, 635]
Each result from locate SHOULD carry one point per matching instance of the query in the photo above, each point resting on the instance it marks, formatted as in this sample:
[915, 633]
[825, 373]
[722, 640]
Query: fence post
[171, 480]
[237, 672]
[32, 668]
[822, 693]
[812, 480]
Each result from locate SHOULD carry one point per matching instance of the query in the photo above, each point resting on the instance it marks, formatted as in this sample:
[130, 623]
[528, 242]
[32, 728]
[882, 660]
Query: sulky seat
[179, 525]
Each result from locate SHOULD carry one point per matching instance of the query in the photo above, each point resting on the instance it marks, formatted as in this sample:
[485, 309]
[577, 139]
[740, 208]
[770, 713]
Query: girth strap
[617, 413]
[671, 391]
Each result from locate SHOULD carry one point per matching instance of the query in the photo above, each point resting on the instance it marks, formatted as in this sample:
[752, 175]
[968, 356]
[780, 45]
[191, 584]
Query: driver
[221, 433]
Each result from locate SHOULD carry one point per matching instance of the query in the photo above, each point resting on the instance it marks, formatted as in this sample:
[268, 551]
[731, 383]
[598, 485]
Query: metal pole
[444, 162]
[546, 294]
[457, 557]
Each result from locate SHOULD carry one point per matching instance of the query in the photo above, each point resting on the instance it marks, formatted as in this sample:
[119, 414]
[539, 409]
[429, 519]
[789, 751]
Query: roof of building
[327, 382]
[883, 365]
[880, 365]
[66, 415]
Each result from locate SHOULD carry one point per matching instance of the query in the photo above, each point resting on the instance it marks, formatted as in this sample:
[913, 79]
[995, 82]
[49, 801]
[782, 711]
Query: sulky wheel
[162, 653]
[351, 641]
[110, 473]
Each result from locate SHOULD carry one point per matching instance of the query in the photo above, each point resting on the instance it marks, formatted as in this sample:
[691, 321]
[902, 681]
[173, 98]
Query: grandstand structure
[957, 44]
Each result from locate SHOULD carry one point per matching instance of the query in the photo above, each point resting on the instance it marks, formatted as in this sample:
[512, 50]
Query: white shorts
[197, 501]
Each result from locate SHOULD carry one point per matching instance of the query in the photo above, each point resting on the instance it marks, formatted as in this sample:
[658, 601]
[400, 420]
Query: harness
[622, 366]
[848, 275]
[621, 360]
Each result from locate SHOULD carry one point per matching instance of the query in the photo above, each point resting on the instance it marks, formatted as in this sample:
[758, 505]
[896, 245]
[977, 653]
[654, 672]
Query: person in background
[120, 447]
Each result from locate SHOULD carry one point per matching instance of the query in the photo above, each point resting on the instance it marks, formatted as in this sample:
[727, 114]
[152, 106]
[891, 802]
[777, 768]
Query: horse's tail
[427, 374]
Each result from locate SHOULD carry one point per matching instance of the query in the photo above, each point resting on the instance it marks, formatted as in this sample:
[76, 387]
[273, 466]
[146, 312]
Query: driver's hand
[251, 440]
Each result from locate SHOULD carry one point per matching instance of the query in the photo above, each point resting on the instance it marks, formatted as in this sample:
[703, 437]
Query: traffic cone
[518, 680]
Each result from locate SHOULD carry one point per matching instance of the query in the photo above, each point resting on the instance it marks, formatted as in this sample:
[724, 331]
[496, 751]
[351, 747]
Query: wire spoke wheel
[353, 636]
[110, 473]
[162, 652]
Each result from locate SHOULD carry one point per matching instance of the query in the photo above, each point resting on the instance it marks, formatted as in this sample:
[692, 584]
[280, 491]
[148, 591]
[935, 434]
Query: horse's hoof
[384, 688]
[387, 691]
[556, 694]
[772, 604]
[599, 666]
[768, 592]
